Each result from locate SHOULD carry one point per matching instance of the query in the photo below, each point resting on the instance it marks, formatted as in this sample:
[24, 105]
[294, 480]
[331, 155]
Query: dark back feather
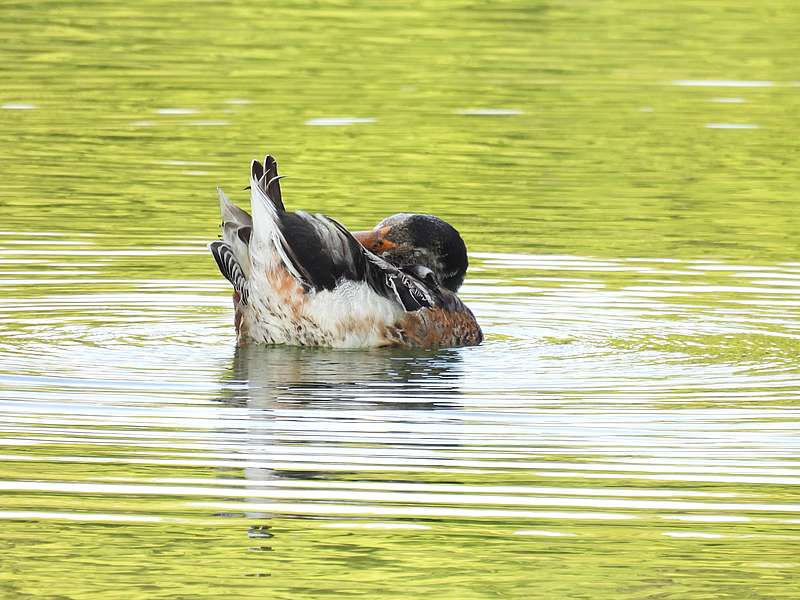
[325, 253]
[321, 251]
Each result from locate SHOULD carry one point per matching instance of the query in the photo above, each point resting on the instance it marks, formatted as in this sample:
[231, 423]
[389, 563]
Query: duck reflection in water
[289, 377]
[317, 414]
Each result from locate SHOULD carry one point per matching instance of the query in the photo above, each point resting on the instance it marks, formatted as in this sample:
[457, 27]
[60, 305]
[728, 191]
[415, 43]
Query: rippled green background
[609, 158]
[625, 174]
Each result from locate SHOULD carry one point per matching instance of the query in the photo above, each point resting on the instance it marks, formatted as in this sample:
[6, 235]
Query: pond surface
[625, 175]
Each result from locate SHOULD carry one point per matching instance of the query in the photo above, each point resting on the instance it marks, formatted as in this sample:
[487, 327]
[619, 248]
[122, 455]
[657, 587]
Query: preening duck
[304, 279]
[406, 240]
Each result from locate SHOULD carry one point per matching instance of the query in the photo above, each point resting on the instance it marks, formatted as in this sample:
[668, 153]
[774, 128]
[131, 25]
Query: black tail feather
[272, 180]
[268, 181]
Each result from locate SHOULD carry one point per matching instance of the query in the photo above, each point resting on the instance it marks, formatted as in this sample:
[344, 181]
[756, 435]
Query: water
[625, 177]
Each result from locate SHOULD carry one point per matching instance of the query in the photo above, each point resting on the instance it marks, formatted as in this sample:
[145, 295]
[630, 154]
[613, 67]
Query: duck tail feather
[265, 183]
[232, 213]
[267, 240]
[272, 181]
[230, 268]
[237, 227]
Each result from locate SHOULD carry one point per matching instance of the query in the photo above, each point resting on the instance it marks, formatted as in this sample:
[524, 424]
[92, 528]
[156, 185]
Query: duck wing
[318, 251]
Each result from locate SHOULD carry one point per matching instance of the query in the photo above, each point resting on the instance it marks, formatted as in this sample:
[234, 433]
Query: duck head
[411, 240]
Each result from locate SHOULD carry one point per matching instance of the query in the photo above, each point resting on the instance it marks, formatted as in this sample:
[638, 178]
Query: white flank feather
[353, 314]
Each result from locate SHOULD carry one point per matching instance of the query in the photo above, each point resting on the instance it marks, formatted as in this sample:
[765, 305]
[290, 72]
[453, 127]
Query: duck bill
[375, 240]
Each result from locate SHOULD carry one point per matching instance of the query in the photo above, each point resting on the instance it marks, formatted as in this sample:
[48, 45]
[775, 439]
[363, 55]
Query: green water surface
[625, 176]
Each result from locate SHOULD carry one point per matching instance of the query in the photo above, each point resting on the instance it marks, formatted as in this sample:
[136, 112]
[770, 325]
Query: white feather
[353, 314]
[350, 316]
[267, 244]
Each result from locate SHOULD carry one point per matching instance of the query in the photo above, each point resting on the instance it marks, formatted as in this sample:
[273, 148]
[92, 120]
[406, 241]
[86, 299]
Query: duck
[304, 279]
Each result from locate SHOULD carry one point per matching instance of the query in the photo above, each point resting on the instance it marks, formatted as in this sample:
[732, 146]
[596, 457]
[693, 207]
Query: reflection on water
[328, 379]
[619, 407]
[623, 175]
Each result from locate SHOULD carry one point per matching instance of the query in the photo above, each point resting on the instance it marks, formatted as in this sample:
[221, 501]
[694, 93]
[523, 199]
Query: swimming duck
[304, 279]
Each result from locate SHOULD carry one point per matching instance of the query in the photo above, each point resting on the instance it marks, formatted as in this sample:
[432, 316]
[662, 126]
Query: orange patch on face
[375, 241]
